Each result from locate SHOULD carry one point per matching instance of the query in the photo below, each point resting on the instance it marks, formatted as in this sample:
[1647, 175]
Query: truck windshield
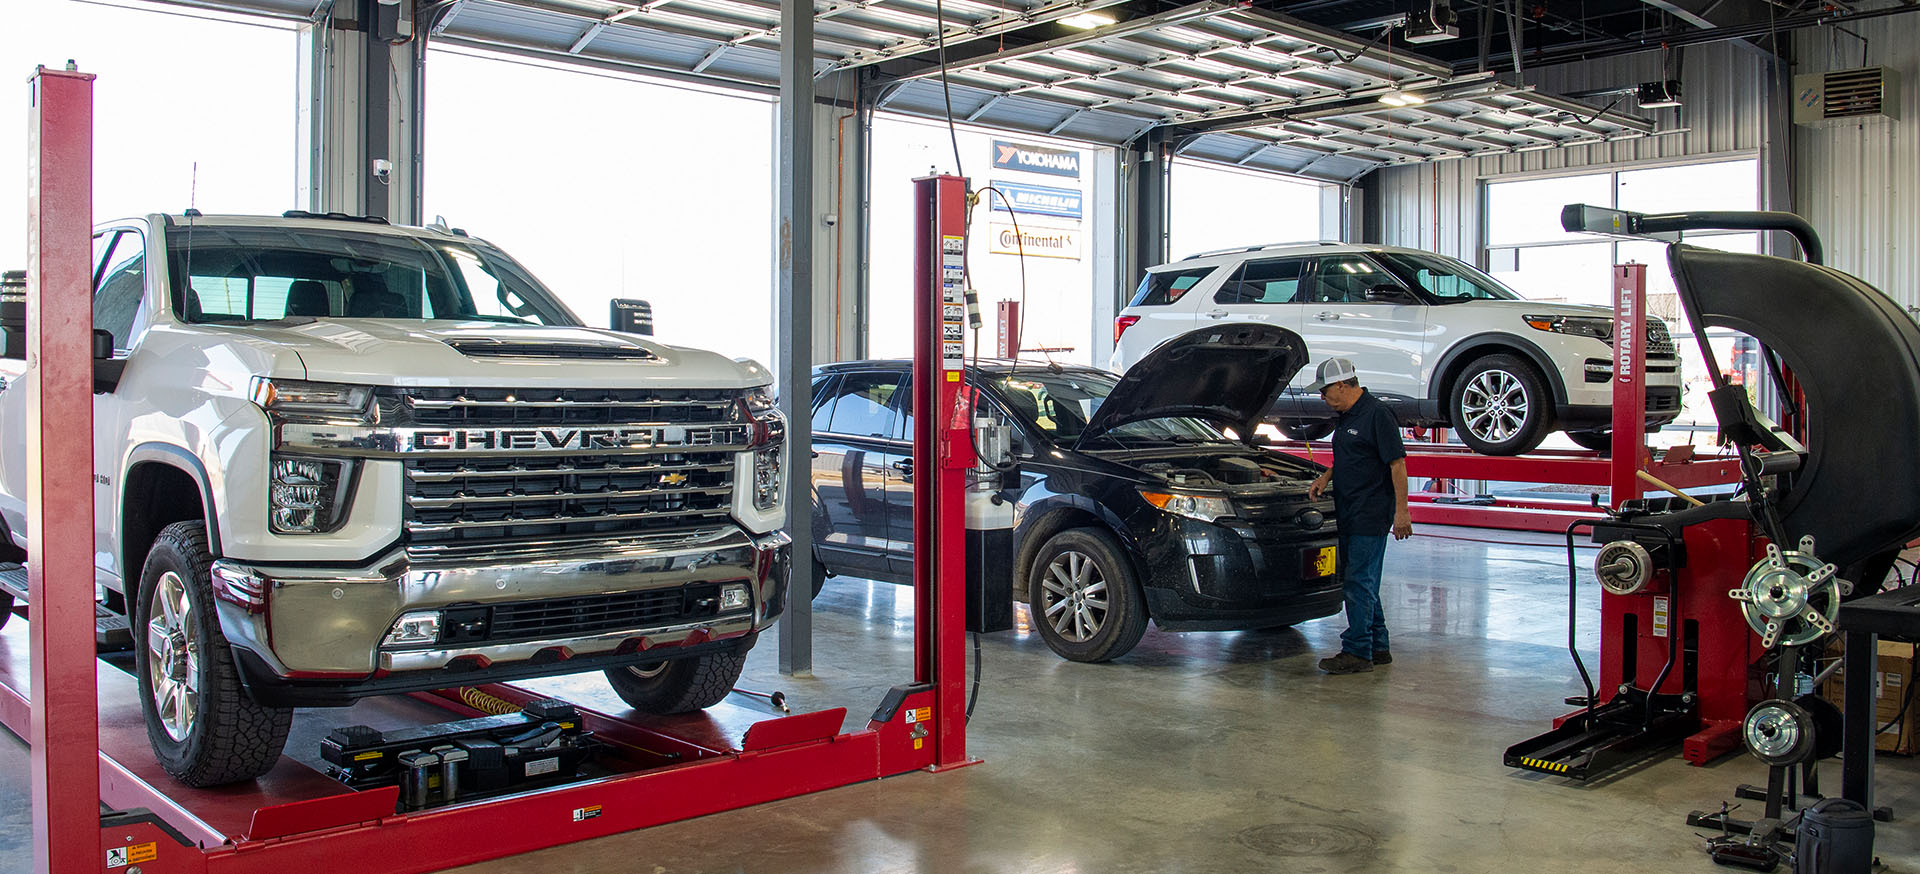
[224, 274]
[1060, 404]
[1447, 280]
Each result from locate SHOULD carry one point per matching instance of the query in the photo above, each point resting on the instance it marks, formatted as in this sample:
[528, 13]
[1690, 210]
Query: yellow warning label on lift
[581, 814]
[146, 852]
[1543, 765]
[920, 714]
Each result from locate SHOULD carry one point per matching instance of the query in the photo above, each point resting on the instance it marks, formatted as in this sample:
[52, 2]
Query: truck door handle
[1216, 314]
[1328, 317]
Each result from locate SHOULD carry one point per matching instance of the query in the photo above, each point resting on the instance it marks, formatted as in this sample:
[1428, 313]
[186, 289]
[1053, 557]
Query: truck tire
[1085, 596]
[204, 729]
[1499, 405]
[680, 685]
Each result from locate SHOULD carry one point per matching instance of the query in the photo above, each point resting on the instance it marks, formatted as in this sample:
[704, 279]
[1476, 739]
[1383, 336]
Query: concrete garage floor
[1211, 752]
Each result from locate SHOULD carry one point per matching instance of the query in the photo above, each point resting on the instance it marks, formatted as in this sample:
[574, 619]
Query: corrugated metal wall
[1859, 184]
[1729, 109]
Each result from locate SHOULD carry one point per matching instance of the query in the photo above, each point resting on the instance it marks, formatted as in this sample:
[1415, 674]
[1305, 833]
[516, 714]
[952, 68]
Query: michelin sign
[1022, 199]
[1035, 159]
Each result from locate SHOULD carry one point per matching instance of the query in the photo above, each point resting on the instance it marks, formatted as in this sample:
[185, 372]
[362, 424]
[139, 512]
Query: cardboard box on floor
[1890, 689]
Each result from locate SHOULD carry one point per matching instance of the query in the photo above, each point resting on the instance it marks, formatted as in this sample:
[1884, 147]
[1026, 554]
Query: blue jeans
[1366, 631]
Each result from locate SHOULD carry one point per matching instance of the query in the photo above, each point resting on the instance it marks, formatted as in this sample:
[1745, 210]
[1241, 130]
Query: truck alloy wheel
[204, 728]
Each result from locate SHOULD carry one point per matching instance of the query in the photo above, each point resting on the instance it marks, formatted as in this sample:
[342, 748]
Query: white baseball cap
[1331, 371]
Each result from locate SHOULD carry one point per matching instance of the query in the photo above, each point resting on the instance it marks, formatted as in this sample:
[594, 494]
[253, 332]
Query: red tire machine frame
[86, 729]
[1619, 474]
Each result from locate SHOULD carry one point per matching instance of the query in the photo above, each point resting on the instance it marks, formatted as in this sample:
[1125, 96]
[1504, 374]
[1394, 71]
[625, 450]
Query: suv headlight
[322, 401]
[307, 495]
[1579, 326]
[1205, 508]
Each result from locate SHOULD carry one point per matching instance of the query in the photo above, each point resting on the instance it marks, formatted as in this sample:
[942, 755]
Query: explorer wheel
[1500, 406]
[1085, 598]
[204, 729]
[680, 685]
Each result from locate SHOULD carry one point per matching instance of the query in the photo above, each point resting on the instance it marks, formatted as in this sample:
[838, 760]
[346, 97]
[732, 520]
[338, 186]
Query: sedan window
[862, 404]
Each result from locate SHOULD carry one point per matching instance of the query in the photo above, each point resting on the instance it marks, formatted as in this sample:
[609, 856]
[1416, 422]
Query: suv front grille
[525, 501]
[1659, 342]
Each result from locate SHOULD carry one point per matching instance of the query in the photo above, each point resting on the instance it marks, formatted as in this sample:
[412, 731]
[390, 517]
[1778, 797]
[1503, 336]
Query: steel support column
[361, 84]
[1144, 199]
[65, 722]
[793, 315]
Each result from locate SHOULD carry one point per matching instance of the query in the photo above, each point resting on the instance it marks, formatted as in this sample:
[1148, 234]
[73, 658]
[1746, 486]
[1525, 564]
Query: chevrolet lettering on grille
[573, 439]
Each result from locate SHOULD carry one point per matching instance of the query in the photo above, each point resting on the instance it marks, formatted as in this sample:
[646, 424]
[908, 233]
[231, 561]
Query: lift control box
[438, 764]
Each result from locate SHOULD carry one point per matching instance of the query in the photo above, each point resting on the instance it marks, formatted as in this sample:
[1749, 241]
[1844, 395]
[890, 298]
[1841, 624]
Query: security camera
[382, 168]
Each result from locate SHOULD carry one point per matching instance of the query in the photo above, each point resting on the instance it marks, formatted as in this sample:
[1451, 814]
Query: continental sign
[1038, 242]
[1035, 159]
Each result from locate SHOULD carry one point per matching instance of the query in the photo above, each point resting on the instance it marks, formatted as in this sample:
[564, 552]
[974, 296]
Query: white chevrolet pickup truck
[335, 459]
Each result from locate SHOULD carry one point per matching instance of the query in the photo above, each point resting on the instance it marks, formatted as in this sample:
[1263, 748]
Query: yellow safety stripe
[1541, 765]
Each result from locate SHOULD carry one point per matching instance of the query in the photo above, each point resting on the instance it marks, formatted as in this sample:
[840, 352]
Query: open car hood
[1227, 375]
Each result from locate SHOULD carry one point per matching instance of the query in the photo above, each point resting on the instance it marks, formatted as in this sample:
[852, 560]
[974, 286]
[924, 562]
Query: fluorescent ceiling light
[1087, 20]
[1402, 98]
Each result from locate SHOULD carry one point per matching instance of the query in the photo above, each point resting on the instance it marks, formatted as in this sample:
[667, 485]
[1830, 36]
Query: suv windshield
[1446, 280]
[234, 275]
[1059, 405]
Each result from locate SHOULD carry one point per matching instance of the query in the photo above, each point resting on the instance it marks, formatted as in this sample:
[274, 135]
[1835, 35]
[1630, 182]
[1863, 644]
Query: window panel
[1577, 274]
[123, 286]
[1165, 287]
[1264, 282]
[862, 405]
[1345, 279]
[1528, 211]
[1722, 185]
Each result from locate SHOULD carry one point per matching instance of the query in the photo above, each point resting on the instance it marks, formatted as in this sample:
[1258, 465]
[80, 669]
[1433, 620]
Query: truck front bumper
[326, 631]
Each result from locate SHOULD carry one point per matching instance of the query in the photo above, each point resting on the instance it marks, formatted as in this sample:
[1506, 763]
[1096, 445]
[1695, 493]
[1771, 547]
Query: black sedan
[1139, 497]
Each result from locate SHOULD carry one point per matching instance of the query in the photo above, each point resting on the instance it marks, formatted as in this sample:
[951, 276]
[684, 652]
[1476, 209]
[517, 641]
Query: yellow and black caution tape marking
[1543, 765]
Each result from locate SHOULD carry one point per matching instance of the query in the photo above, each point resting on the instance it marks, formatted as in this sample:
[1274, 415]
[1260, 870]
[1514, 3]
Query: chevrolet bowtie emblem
[673, 479]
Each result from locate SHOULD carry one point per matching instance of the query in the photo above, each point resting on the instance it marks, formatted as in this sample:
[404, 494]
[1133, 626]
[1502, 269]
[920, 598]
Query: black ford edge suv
[1140, 497]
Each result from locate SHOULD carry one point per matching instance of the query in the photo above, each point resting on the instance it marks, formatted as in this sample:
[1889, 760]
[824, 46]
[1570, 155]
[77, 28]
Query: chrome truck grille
[559, 492]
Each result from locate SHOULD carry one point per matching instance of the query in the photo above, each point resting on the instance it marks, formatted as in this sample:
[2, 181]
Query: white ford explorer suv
[336, 459]
[1442, 342]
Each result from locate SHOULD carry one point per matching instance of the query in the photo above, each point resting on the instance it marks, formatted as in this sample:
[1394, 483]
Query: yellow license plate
[1323, 562]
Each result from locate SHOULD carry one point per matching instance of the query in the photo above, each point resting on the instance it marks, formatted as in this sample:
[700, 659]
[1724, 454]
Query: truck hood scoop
[493, 347]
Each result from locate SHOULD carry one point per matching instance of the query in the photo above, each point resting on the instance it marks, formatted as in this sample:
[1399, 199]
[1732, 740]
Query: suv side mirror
[1387, 293]
[632, 317]
[13, 314]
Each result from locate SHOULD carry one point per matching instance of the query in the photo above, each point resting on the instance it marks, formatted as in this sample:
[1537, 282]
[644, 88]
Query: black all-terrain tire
[1304, 431]
[1600, 441]
[1500, 405]
[1113, 608]
[680, 685]
[228, 738]
[819, 576]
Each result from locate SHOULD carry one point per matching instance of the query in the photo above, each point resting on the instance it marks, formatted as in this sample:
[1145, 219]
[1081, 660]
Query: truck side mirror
[102, 344]
[106, 368]
[633, 317]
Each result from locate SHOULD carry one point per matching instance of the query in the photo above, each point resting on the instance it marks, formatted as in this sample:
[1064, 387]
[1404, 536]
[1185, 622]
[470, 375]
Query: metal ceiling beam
[1343, 43]
[1098, 34]
[1358, 102]
[955, 34]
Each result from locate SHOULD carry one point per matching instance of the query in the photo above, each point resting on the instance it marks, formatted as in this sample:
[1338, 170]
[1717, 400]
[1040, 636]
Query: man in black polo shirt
[1369, 478]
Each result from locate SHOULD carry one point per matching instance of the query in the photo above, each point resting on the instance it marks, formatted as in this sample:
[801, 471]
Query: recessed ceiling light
[1402, 98]
[1087, 20]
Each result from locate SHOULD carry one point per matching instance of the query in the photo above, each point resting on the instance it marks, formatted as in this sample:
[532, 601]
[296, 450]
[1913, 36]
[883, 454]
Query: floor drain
[1305, 839]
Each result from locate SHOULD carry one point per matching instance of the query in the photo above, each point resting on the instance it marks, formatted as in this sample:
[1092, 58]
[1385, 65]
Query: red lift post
[1619, 474]
[86, 729]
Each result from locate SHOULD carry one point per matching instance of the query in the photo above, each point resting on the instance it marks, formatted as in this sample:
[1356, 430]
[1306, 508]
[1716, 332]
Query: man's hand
[1402, 524]
[1320, 484]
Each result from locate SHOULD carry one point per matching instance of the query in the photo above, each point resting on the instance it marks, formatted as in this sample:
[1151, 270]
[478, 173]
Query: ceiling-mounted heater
[1864, 94]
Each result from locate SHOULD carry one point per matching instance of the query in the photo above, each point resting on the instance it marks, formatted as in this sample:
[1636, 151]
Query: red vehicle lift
[85, 725]
[1619, 474]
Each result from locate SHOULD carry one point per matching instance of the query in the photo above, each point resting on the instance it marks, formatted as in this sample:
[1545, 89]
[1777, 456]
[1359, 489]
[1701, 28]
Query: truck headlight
[1579, 326]
[766, 477]
[1205, 508]
[306, 495]
[321, 401]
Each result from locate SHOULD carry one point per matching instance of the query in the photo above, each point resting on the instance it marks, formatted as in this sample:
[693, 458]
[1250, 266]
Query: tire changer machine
[1708, 607]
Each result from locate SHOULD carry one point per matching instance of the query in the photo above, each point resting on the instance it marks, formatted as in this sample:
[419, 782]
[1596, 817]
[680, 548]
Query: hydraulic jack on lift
[434, 800]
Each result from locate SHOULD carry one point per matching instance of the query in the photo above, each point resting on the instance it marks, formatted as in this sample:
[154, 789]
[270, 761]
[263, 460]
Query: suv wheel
[203, 727]
[1305, 431]
[680, 685]
[1085, 597]
[1499, 405]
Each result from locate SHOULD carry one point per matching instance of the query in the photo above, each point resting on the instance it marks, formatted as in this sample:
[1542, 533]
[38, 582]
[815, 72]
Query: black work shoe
[1382, 657]
[1345, 663]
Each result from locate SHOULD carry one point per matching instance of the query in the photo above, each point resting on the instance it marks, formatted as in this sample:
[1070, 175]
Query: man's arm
[1402, 516]
[1320, 484]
